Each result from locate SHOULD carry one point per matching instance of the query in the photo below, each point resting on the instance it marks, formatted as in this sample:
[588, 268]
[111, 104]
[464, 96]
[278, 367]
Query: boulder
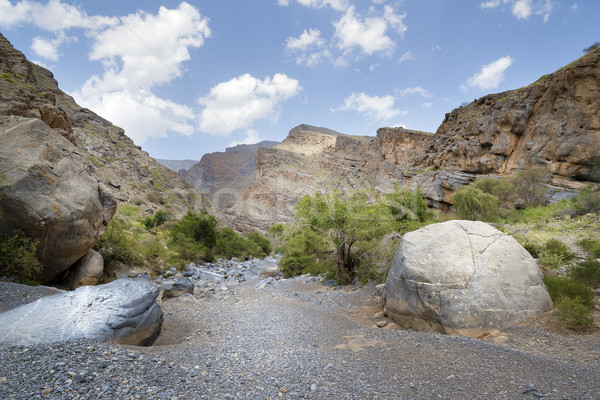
[86, 271]
[51, 193]
[269, 267]
[463, 277]
[124, 311]
[178, 287]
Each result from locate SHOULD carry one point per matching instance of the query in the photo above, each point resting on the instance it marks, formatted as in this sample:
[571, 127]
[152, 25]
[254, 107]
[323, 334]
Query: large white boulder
[463, 277]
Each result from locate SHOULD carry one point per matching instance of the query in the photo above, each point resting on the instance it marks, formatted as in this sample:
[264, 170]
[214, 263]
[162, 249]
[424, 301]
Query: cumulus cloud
[141, 53]
[523, 9]
[427, 104]
[418, 90]
[251, 138]
[339, 5]
[369, 34]
[490, 76]
[237, 103]
[374, 107]
[48, 48]
[310, 38]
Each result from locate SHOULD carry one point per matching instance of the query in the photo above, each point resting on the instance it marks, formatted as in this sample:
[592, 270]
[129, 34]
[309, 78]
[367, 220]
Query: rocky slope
[29, 90]
[221, 176]
[552, 123]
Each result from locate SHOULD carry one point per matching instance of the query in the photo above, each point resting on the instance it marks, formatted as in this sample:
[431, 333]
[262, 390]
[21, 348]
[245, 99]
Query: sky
[188, 78]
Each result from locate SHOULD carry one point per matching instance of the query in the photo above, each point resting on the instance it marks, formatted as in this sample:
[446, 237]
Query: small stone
[283, 390]
[313, 387]
[382, 323]
[46, 391]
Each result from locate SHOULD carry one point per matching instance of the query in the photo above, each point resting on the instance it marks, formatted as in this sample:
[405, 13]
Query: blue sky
[188, 78]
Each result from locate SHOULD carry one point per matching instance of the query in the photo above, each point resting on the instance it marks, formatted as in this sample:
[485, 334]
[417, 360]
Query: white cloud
[406, 56]
[251, 138]
[53, 16]
[283, 3]
[415, 90]
[490, 76]
[522, 9]
[312, 38]
[574, 7]
[142, 53]
[339, 5]
[427, 104]
[369, 34]
[396, 21]
[237, 103]
[48, 48]
[374, 107]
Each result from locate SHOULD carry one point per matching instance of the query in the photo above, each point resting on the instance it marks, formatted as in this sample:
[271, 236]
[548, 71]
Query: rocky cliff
[221, 175]
[552, 123]
[131, 175]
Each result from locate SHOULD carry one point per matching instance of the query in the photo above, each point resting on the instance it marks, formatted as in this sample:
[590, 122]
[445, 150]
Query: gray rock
[52, 193]
[86, 271]
[123, 311]
[211, 276]
[262, 284]
[330, 283]
[269, 267]
[178, 287]
[465, 277]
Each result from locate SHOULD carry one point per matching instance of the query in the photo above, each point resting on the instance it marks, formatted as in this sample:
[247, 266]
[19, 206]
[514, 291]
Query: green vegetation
[554, 254]
[473, 204]
[7, 77]
[18, 257]
[591, 246]
[574, 315]
[587, 272]
[157, 219]
[343, 234]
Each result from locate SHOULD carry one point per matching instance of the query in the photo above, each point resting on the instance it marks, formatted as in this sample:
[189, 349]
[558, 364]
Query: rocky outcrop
[51, 193]
[86, 271]
[123, 311]
[552, 123]
[129, 173]
[222, 176]
[463, 277]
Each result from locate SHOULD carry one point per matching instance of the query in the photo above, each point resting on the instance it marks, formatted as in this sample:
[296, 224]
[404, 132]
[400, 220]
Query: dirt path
[300, 340]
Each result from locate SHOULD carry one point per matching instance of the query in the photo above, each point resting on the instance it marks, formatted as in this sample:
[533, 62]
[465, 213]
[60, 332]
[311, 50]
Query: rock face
[130, 174]
[123, 311]
[463, 277]
[51, 193]
[223, 176]
[552, 123]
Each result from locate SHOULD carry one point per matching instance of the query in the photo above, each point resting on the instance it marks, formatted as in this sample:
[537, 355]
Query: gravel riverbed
[300, 340]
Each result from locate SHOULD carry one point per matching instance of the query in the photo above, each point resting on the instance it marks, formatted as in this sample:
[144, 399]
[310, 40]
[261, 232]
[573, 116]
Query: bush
[555, 254]
[473, 204]
[262, 242]
[189, 249]
[157, 219]
[277, 230]
[587, 272]
[594, 46]
[574, 315]
[117, 244]
[559, 287]
[231, 244]
[533, 248]
[406, 205]
[199, 227]
[18, 258]
[588, 201]
[529, 187]
[306, 251]
[500, 188]
[591, 246]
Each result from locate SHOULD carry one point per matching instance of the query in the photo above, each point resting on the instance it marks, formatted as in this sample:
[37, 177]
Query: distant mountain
[177, 165]
[228, 173]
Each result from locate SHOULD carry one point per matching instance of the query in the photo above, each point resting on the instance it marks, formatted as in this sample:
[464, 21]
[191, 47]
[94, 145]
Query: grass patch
[587, 273]
[7, 77]
[591, 246]
[555, 254]
[574, 315]
[559, 287]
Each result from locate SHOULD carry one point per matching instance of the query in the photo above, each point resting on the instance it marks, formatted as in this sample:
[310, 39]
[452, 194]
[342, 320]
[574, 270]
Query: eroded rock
[463, 277]
[123, 311]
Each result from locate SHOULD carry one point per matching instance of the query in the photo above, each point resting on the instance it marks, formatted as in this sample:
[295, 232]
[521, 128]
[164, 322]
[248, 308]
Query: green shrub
[199, 227]
[529, 187]
[555, 254]
[295, 263]
[533, 248]
[591, 246]
[306, 251]
[231, 244]
[117, 244]
[500, 188]
[587, 272]
[7, 77]
[406, 205]
[574, 315]
[588, 201]
[18, 257]
[277, 230]
[189, 249]
[157, 219]
[262, 242]
[559, 287]
[473, 204]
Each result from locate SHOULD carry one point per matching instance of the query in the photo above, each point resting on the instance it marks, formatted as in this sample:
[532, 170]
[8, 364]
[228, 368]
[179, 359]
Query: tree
[200, 227]
[344, 222]
[473, 204]
[594, 46]
[152, 221]
[529, 187]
